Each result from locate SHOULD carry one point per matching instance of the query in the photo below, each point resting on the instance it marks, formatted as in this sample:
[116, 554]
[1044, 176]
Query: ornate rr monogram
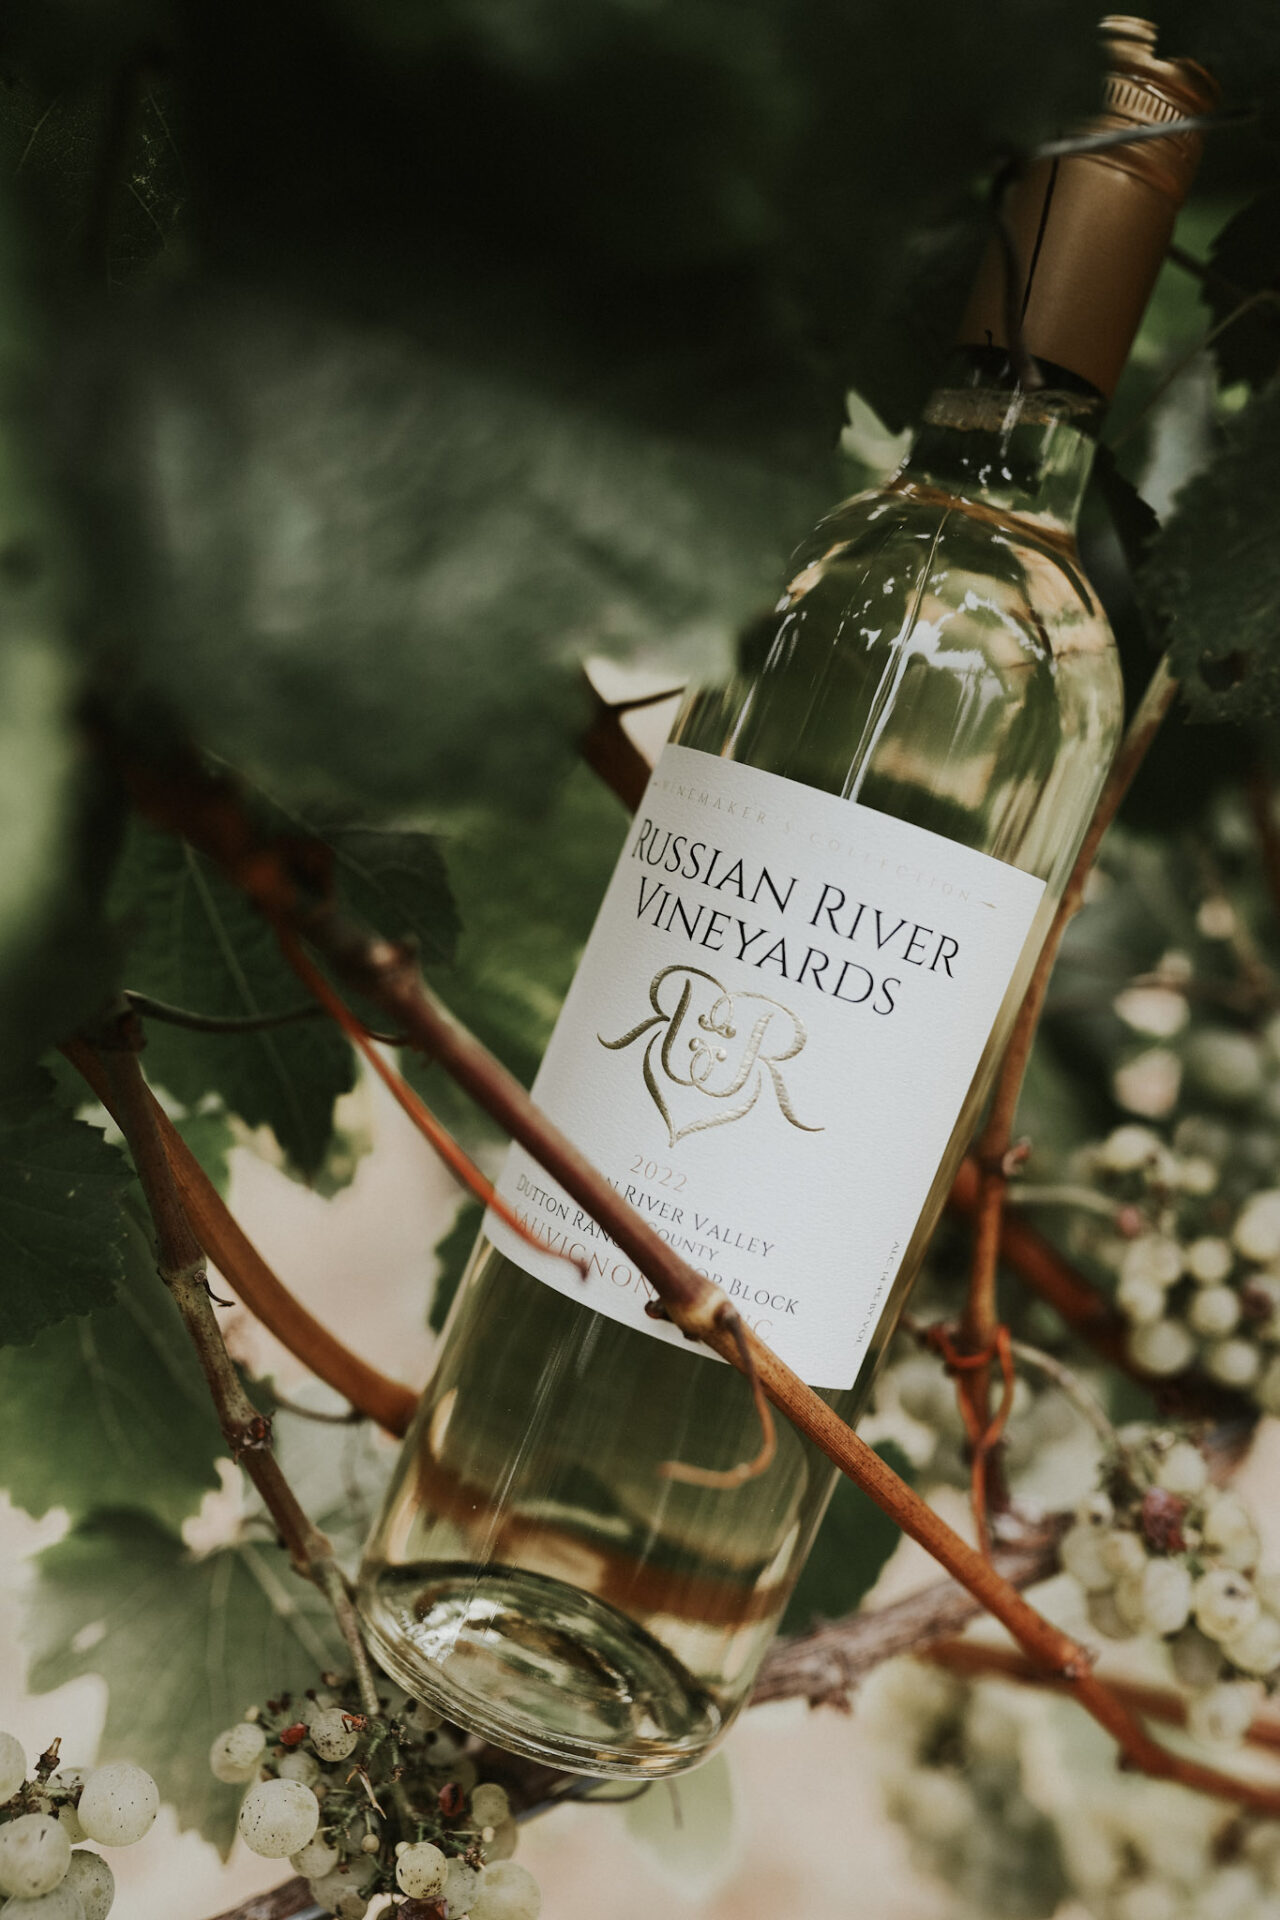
[679, 1054]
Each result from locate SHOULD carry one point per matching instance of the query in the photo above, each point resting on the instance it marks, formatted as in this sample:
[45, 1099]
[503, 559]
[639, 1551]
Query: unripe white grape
[1209, 1260]
[331, 1736]
[1226, 1065]
[1183, 1470]
[490, 1805]
[1128, 1149]
[1222, 1715]
[1127, 1594]
[1257, 1231]
[1081, 1555]
[118, 1804]
[461, 1885]
[1152, 1257]
[1140, 1300]
[315, 1859]
[91, 1877]
[1224, 1603]
[371, 1843]
[1229, 1531]
[1256, 1648]
[235, 1755]
[1214, 1312]
[504, 1838]
[278, 1817]
[299, 1766]
[345, 1892]
[339, 1895]
[1123, 1553]
[34, 1855]
[1197, 1174]
[64, 1903]
[1197, 1660]
[1165, 1347]
[421, 1870]
[1231, 1894]
[13, 1766]
[509, 1891]
[1105, 1615]
[1234, 1363]
[321, 1703]
[420, 1718]
[1146, 1900]
[1166, 1596]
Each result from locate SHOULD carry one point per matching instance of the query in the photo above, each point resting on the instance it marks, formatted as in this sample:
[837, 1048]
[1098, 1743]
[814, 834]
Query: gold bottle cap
[1090, 230]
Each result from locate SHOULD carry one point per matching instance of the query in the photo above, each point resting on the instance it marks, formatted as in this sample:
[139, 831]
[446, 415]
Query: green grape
[34, 1855]
[118, 1804]
[91, 1878]
[13, 1766]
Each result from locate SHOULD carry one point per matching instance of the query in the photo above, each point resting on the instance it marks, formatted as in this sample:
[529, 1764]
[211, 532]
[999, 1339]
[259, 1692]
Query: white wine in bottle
[783, 1029]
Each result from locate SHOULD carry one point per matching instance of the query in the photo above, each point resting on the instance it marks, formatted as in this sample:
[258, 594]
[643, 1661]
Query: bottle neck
[991, 443]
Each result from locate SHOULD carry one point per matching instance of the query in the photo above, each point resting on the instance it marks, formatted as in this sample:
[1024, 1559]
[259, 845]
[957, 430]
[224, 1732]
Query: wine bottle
[784, 1026]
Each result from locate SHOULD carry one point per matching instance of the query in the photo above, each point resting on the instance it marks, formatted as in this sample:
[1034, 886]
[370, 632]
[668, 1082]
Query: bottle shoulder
[964, 555]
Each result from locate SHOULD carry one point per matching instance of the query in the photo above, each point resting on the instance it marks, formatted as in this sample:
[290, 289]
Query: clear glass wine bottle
[939, 659]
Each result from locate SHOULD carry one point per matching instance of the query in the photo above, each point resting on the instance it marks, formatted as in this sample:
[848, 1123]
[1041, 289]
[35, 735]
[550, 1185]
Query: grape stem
[181, 1265]
[184, 797]
[243, 1268]
[1043, 1270]
[981, 1319]
[1069, 1383]
[281, 1903]
[980, 1660]
[826, 1665]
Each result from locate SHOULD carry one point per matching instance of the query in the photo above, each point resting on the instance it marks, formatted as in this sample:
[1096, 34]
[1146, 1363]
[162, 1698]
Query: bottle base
[540, 1668]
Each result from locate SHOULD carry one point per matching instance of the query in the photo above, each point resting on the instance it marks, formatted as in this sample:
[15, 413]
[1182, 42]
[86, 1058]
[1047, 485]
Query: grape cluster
[44, 1874]
[1014, 1801]
[948, 1761]
[1158, 1550]
[1193, 1251]
[919, 1386]
[365, 1805]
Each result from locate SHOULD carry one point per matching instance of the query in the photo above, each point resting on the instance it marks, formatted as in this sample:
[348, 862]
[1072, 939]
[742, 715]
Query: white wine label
[776, 1020]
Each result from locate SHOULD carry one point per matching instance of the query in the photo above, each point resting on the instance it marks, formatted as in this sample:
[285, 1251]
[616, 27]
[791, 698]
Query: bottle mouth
[1141, 89]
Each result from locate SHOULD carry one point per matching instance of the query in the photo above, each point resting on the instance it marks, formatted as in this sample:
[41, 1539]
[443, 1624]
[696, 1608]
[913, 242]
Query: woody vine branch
[182, 797]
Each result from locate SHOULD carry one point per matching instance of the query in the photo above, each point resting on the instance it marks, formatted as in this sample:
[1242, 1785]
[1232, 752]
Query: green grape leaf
[338, 1469]
[854, 1542]
[195, 942]
[51, 976]
[708, 195]
[1212, 579]
[452, 1252]
[527, 891]
[62, 1235]
[396, 881]
[119, 1403]
[1243, 292]
[363, 571]
[184, 1645]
